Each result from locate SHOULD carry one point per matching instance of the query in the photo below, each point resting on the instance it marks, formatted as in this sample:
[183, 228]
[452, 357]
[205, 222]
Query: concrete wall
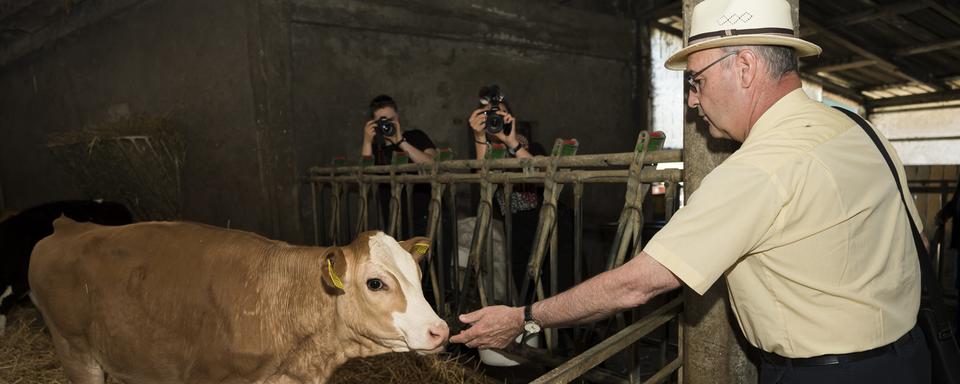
[267, 88]
[568, 71]
[180, 57]
[432, 57]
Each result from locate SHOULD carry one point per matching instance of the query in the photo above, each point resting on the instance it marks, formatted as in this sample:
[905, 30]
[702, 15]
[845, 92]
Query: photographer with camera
[493, 123]
[382, 136]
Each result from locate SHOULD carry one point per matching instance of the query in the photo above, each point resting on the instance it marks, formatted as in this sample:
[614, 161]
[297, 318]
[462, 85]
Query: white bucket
[493, 358]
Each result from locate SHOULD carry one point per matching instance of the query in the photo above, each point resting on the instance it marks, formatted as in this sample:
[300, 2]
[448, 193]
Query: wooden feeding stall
[135, 160]
[342, 205]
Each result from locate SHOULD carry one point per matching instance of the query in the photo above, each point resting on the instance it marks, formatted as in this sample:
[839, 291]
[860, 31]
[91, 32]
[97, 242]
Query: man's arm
[628, 286]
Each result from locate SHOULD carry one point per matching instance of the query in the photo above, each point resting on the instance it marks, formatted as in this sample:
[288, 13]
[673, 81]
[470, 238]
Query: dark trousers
[905, 361]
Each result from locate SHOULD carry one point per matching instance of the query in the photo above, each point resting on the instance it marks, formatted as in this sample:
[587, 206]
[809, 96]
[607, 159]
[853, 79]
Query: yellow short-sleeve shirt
[806, 224]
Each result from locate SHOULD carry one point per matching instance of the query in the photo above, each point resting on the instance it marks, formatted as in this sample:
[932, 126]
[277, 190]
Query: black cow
[20, 232]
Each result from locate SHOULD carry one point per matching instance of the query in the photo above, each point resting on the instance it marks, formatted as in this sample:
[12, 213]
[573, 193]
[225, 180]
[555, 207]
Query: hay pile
[26, 353]
[27, 357]
[408, 368]
[135, 160]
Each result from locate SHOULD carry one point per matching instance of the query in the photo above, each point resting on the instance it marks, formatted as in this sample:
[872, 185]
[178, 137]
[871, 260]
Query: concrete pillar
[715, 351]
[268, 40]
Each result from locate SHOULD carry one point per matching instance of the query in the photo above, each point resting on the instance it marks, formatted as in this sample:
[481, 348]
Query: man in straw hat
[803, 220]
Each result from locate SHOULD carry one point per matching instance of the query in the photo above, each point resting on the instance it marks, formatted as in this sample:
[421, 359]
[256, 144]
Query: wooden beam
[838, 65]
[878, 58]
[12, 7]
[933, 97]
[84, 14]
[876, 13]
[577, 365]
[525, 25]
[665, 9]
[833, 87]
[667, 28]
[927, 47]
[946, 9]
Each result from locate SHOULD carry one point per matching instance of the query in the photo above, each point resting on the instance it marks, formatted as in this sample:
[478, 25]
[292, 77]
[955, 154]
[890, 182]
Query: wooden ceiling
[879, 53]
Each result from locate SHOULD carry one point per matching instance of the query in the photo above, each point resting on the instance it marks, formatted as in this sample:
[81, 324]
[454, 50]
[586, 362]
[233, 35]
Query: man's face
[715, 95]
[388, 112]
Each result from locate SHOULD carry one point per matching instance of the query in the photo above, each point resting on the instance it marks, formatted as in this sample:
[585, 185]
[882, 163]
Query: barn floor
[26, 352]
[27, 357]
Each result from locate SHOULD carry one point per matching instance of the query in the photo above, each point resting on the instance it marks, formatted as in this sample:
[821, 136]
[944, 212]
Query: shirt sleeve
[732, 212]
[419, 139]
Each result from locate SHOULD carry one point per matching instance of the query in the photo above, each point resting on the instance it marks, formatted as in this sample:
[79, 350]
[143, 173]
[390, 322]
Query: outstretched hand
[491, 327]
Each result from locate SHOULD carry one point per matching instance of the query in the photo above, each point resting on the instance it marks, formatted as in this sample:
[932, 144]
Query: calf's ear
[418, 247]
[334, 270]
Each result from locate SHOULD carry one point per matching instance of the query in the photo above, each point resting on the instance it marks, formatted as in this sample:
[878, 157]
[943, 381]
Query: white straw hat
[724, 23]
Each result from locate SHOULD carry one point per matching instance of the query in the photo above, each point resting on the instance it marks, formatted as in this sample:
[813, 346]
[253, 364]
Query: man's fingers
[471, 317]
[466, 336]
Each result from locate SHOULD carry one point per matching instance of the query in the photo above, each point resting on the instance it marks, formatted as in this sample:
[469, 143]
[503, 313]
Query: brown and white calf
[170, 302]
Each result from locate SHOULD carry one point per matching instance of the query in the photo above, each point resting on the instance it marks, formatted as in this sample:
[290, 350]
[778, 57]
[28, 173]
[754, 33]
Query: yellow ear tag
[421, 248]
[333, 275]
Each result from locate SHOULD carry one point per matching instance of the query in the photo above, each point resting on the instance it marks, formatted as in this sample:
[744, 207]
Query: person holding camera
[382, 136]
[493, 123]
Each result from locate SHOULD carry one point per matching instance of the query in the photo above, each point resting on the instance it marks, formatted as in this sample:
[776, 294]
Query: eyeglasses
[695, 84]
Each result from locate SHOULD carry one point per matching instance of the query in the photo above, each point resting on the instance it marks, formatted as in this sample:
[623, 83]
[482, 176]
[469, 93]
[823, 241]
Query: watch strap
[528, 314]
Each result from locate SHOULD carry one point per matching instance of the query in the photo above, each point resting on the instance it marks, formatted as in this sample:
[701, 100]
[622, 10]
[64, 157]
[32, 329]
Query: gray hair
[780, 60]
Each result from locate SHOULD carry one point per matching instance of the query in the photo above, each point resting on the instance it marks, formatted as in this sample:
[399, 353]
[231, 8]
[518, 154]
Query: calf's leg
[79, 365]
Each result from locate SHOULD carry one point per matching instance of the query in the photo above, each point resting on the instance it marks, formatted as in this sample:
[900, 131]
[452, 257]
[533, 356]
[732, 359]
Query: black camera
[492, 96]
[386, 127]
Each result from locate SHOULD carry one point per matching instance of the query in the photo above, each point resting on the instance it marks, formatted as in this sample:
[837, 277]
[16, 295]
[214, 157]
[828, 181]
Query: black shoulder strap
[927, 276]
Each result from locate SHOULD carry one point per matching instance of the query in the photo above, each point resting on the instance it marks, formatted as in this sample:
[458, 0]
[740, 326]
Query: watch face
[531, 327]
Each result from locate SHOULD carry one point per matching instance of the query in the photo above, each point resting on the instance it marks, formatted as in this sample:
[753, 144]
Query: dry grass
[135, 160]
[26, 352]
[27, 357]
[408, 368]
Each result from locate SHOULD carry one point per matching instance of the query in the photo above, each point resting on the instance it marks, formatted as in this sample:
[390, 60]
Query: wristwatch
[513, 151]
[530, 325]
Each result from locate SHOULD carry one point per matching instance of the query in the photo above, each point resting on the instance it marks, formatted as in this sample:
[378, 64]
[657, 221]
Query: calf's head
[377, 282]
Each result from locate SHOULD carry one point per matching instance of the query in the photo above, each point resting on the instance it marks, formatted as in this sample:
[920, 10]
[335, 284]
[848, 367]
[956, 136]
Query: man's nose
[692, 100]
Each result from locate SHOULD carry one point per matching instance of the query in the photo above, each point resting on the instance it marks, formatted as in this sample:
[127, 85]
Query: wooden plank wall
[932, 186]
[942, 177]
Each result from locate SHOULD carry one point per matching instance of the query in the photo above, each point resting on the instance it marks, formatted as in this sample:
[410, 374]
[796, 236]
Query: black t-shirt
[421, 192]
[416, 138]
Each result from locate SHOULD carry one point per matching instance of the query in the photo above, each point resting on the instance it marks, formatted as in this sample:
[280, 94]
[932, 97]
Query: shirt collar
[776, 113]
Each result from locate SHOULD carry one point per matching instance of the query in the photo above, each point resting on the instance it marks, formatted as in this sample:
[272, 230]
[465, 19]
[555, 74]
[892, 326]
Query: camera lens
[386, 127]
[494, 122]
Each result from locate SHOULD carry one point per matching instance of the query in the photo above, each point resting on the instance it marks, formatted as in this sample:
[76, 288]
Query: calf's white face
[386, 292]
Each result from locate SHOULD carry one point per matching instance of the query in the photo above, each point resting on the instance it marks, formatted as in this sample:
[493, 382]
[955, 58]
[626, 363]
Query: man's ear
[418, 247]
[334, 270]
[747, 65]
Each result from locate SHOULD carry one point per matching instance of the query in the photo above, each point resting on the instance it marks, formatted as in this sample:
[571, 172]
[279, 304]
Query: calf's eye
[375, 285]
